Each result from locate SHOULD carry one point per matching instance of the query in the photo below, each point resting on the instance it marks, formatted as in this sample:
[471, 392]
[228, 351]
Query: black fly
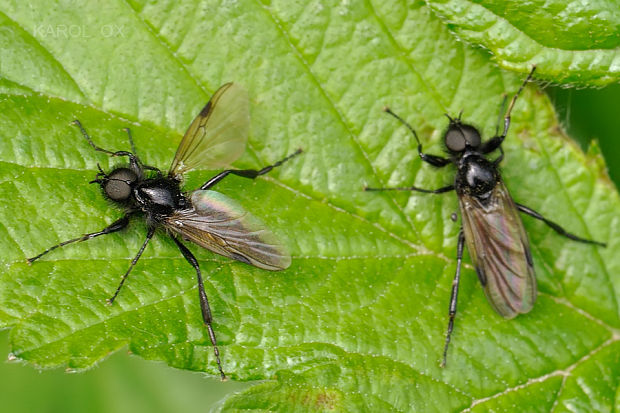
[215, 138]
[492, 228]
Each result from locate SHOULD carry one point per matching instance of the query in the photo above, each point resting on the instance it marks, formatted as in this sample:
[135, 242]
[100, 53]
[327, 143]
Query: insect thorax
[159, 197]
[476, 176]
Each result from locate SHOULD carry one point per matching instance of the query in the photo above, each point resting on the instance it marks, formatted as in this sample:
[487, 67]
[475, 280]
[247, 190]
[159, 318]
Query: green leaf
[570, 41]
[358, 321]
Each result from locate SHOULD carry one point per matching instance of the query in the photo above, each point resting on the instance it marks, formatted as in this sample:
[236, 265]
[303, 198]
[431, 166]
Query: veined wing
[220, 224]
[500, 251]
[218, 135]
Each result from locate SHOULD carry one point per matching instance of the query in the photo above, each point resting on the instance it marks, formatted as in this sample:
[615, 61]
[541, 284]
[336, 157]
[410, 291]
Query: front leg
[497, 141]
[134, 162]
[434, 160]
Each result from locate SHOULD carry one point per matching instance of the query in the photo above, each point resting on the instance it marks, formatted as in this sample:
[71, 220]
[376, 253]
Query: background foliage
[357, 322]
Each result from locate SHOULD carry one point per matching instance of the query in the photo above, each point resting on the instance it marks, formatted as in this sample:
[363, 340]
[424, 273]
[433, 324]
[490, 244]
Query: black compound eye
[455, 140]
[471, 134]
[117, 186]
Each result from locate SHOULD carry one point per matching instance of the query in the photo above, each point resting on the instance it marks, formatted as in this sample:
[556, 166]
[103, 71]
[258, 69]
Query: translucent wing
[500, 251]
[218, 135]
[218, 223]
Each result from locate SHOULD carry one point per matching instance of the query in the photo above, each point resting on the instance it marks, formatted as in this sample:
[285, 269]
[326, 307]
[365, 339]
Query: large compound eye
[455, 141]
[117, 186]
[472, 136]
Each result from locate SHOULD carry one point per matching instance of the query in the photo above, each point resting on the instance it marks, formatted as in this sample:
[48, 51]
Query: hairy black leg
[133, 159]
[113, 227]
[454, 295]
[133, 150]
[556, 227]
[149, 235]
[204, 302]
[496, 141]
[247, 173]
[97, 148]
[414, 188]
[500, 114]
[130, 137]
[434, 160]
[500, 157]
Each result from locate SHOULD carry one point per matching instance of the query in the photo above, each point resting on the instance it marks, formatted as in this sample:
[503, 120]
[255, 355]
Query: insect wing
[218, 135]
[220, 224]
[499, 248]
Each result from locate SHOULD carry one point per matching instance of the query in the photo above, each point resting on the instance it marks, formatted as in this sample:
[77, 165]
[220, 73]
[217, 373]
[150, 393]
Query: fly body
[491, 226]
[215, 138]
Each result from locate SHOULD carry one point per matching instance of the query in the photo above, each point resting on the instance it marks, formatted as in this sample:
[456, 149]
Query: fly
[215, 138]
[491, 225]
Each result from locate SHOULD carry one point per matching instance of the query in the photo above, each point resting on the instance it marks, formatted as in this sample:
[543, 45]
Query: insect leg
[204, 302]
[247, 173]
[113, 227]
[149, 235]
[133, 147]
[501, 112]
[133, 159]
[434, 160]
[95, 147]
[414, 188]
[556, 227]
[496, 141]
[500, 157]
[454, 295]
[135, 153]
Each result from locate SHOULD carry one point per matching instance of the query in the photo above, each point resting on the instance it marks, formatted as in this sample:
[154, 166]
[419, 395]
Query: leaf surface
[358, 320]
[571, 41]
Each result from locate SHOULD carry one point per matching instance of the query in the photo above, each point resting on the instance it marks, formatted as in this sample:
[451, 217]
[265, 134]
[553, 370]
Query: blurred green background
[123, 383]
[588, 114]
